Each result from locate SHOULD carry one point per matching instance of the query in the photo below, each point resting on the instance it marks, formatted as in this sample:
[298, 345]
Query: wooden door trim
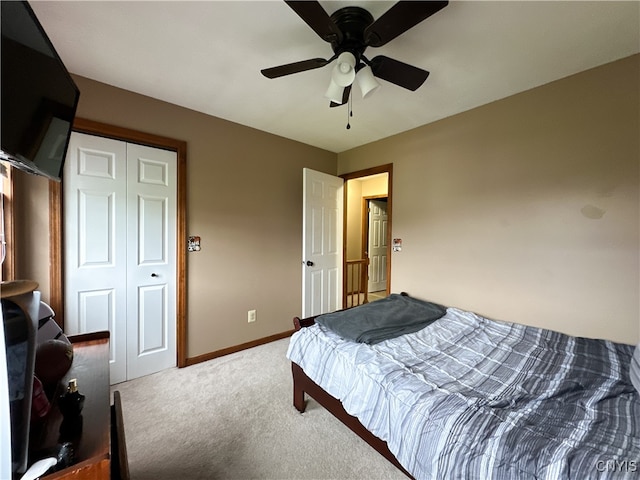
[56, 209]
[8, 198]
[388, 169]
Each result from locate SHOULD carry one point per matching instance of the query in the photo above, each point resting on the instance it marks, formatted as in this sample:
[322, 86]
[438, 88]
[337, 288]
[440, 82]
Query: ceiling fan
[350, 30]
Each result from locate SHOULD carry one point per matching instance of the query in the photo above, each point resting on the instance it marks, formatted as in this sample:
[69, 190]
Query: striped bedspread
[471, 398]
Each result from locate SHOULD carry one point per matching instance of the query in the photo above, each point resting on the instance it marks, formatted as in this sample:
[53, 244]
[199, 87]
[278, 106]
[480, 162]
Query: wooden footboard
[303, 384]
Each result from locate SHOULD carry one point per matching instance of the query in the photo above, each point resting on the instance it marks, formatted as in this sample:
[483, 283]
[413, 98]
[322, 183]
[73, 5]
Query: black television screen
[39, 97]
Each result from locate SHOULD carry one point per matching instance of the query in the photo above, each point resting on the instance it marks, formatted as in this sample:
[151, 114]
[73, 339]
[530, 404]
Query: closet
[120, 250]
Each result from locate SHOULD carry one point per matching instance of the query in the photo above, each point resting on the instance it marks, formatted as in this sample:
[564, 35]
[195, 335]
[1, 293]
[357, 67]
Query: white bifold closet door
[120, 250]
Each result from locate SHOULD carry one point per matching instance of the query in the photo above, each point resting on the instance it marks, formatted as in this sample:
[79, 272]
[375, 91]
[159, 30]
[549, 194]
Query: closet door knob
[155, 275]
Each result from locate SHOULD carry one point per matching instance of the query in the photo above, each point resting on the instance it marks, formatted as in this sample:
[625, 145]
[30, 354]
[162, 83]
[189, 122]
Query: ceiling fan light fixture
[350, 30]
[366, 81]
[344, 72]
[334, 92]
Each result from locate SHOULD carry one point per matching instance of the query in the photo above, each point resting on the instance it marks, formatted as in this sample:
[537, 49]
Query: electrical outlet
[251, 316]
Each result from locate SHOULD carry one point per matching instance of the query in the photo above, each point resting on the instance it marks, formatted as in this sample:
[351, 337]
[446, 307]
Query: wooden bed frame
[303, 384]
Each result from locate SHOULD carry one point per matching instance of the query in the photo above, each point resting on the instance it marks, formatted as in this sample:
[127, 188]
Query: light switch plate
[193, 244]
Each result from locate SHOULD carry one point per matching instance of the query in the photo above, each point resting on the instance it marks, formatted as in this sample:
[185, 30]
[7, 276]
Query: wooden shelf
[92, 448]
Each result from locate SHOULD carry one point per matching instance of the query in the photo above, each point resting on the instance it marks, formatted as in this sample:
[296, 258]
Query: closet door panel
[95, 204]
[151, 272]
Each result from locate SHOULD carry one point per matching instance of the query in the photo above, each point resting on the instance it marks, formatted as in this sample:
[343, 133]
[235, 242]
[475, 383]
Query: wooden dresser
[93, 448]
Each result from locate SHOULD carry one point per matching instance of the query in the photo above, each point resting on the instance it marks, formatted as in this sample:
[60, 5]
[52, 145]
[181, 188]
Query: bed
[467, 397]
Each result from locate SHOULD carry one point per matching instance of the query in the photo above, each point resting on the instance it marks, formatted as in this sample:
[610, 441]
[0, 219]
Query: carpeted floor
[232, 418]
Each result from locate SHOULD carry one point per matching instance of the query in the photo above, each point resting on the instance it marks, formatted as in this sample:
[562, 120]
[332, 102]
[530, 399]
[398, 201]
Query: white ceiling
[207, 56]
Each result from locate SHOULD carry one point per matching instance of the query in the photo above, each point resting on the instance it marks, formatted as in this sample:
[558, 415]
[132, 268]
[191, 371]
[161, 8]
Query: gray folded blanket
[383, 319]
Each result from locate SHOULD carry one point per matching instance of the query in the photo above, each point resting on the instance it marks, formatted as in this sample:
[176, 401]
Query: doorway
[360, 266]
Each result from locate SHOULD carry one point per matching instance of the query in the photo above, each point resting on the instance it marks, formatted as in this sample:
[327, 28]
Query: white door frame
[56, 271]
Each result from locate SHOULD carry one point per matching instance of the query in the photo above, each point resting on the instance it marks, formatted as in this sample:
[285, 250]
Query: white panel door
[120, 250]
[95, 224]
[377, 248]
[321, 243]
[151, 270]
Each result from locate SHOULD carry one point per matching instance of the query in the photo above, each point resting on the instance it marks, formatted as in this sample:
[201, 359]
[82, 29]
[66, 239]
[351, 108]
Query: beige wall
[244, 201]
[31, 217]
[526, 209]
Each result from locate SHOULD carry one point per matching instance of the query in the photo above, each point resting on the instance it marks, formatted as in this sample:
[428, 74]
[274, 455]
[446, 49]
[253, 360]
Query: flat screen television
[39, 97]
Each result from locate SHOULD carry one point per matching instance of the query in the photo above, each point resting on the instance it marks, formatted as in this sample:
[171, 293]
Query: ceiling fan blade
[345, 97]
[399, 73]
[317, 18]
[289, 68]
[398, 19]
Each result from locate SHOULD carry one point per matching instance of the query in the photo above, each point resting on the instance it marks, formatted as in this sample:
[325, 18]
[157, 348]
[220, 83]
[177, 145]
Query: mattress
[468, 397]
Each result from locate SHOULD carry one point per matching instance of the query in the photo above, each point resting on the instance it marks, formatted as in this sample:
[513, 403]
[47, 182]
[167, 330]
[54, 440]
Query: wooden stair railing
[356, 283]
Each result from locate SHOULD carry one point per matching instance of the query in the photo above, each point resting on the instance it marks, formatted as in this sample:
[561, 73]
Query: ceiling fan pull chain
[349, 111]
